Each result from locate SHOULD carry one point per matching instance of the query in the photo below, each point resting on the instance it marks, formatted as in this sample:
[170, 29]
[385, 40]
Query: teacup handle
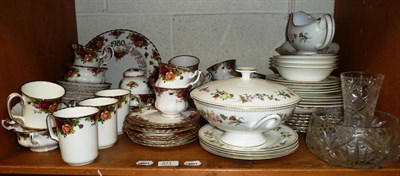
[137, 97]
[17, 118]
[8, 125]
[104, 55]
[208, 77]
[50, 128]
[196, 73]
[32, 139]
[271, 122]
[327, 23]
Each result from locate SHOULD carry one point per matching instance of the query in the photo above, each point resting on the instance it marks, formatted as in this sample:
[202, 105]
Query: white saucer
[151, 117]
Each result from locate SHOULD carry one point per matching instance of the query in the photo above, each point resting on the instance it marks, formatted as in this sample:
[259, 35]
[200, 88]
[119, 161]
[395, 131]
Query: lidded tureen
[244, 107]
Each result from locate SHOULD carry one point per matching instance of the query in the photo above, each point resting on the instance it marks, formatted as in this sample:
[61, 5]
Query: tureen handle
[246, 71]
[267, 123]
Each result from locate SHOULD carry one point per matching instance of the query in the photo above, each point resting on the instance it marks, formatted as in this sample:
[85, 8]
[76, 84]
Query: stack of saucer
[146, 126]
[283, 141]
[81, 91]
[320, 94]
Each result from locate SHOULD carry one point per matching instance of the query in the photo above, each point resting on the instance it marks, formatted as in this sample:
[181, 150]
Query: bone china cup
[38, 100]
[35, 140]
[171, 76]
[123, 97]
[171, 101]
[244, 107]
[76, 134]
[188, 61]
[222, 70]
[107, 122]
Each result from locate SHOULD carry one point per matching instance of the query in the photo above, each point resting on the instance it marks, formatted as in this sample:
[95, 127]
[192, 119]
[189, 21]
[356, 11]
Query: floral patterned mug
[76, 133]
[171, 76]
[88, 57]
[107, 122]
[123, 96]
[171, 101]
[38, 100]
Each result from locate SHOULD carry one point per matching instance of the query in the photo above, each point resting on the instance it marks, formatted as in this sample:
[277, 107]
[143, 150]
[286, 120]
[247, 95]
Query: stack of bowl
[305, 67]
[87, 73]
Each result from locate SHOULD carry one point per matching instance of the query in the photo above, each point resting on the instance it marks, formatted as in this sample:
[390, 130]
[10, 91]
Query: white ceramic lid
[245, 92]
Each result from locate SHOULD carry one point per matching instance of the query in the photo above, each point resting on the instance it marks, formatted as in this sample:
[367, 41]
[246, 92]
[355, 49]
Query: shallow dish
[304, 74]
[303, 65]
[311, 59]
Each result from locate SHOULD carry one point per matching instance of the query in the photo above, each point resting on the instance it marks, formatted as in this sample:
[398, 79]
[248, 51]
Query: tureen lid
[245, 92]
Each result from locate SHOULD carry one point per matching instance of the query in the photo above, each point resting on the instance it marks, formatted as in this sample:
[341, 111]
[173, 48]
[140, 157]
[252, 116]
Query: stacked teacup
[28, 117]
[170, 122]
[87, 73]
[174, 82]
[306, 63]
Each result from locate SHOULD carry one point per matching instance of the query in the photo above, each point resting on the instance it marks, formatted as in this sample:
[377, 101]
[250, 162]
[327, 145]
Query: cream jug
[308, 34]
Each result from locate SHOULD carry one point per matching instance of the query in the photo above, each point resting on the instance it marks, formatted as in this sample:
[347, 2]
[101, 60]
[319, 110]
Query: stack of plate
[80, 91]
[147, 127]
[281, 142]
[325, 93]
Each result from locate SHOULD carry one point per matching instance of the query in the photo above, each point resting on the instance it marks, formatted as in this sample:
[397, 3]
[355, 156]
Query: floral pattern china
[130, 49]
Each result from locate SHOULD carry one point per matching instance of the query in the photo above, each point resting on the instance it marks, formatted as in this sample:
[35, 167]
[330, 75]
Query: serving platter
[131, 50]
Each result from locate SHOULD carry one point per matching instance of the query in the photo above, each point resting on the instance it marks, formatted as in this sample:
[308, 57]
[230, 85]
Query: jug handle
[50, 128]
[105, 53]
[18, 119]
[330, 30]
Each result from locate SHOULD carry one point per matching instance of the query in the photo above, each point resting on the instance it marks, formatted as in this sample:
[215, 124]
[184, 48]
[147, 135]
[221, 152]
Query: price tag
[168, 163]
[144, 163]
[192, 163]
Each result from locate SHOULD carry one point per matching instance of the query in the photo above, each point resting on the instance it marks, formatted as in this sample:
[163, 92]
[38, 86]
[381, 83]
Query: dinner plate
[131, 50]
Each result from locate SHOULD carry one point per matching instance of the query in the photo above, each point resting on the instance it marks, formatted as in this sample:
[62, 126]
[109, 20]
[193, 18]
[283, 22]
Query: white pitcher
[308, 34]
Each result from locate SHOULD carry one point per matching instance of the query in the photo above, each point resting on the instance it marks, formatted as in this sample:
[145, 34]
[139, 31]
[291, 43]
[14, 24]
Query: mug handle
[105, 53]
[196, 73]
[17, 118]
[329, 25]
[272, 121]
[50, 128]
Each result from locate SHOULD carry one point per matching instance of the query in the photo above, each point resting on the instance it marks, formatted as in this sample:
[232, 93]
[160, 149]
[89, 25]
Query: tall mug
[76, 134]
[123, 97]
[107, 122]
[360, 95]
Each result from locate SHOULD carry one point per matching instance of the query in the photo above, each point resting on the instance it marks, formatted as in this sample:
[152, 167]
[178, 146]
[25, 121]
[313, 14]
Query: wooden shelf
[122, 157]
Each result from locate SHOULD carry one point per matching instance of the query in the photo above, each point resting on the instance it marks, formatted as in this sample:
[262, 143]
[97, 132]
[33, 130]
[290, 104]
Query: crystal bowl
[371, 146]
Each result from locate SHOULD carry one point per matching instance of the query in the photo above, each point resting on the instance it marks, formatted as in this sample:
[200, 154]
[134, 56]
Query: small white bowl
[278, 64]
[304, 74]
[312, 59]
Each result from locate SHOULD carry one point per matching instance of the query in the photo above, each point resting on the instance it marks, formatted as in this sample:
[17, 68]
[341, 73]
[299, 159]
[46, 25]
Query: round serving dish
[244, 107]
